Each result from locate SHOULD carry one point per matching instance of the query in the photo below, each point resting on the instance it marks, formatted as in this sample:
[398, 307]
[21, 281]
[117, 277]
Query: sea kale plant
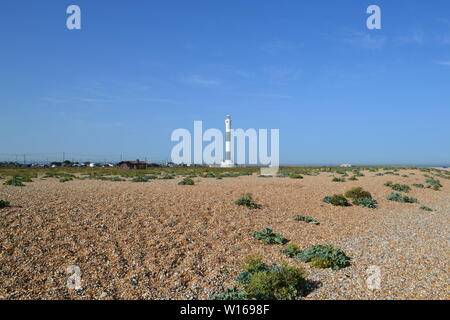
[336, 200]
[259, 281]
[267, 236]
[394, 196]
[400, 187]
[321, 256]
[306, 219]
[434, 184]
[247, 201]
[186, 182]
[291, 250]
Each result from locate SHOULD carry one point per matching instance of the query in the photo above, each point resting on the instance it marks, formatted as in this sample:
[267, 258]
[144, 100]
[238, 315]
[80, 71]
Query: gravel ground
[159, 240]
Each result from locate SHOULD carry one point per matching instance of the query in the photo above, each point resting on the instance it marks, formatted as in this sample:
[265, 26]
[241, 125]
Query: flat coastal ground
[161, 240]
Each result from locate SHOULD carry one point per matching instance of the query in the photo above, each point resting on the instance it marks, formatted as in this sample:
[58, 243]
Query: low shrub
[419, 185]
[295, 176]
[357, 192]
[434, 184]
[401, 187]
[4, 204]
[267, 236]
[425, 208]
[358, 174]
[389, 184]
[65, 179]
[318, 262]
[335, 179]
[366, 202]
[247, 201]
[259, 281]
[139, 179]
[306, 219]
[394, 196]
[291, 250]
[186, 182]
[353, 178]
[336, 200]
[325, 257]
[230, 294]
[14, 182]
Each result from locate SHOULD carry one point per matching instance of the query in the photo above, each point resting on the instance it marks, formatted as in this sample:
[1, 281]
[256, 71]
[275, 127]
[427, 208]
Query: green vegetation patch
[259, 281]
[247, 201]
[357, 192]
[14, 181]
[394, 196]
[306, 219]
[4, 204]
[336, 200]
[267, 236]
[186, 182]
[400, 187]
[291, 250]
[434, 184]
[325, 257]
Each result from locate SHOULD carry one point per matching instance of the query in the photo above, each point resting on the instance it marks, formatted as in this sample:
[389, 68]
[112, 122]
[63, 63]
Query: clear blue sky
[139, 69]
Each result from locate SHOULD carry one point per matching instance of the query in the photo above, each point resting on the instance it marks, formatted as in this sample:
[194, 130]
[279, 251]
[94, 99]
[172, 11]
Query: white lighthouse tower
[228, 163]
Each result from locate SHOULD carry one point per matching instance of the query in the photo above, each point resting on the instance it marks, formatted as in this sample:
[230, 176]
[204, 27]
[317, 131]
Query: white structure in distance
[228, 163]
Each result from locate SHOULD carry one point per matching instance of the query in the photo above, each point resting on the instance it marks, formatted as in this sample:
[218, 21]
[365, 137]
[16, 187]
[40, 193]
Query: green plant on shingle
[230, 294]
[247, 201]
[419, 185]
[168, 177]
[322, 263]
[280, 282]
[366, 202]
[186, 182]
[267, 236]
[353, 178]
[389, 184]
[336, 200]
[325, 256]
[425, 208]
[139, 179]
[14, 182]
[434, 184]
[4, 204]
[291, 250]
[259, 281]
[295, 176]
[358, 174]
[394, 196]
[401, 187]
[65, 179]
[357, 192]
[335, 179]
[306, 219]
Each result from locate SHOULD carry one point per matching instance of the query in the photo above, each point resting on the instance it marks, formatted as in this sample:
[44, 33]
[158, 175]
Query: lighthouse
[228, 163]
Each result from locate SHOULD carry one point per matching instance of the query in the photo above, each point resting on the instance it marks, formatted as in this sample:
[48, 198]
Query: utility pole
[64, 156]
[24, 159]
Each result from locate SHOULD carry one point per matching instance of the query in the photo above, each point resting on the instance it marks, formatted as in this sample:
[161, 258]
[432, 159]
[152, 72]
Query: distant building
[135, 165]
[346, 165]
